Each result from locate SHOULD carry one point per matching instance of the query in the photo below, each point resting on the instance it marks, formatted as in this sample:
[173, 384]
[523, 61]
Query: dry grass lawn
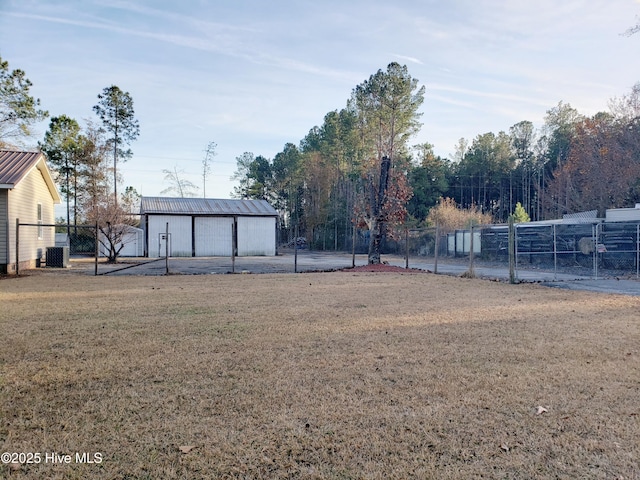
[326, 376]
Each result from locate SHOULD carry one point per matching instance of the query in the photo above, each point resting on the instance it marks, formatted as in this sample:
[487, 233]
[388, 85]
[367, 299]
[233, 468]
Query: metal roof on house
[15, 165]
[205, 206]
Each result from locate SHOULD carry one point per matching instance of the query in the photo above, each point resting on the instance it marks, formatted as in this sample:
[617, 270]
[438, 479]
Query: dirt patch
[319, 376]
[384, 268]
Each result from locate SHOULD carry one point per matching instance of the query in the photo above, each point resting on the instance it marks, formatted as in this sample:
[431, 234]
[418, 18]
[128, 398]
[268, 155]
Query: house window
[39, 221]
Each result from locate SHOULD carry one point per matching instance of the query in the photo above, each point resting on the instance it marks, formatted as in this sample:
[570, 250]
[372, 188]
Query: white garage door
[256, 236]
[213, 236]
[179, 235]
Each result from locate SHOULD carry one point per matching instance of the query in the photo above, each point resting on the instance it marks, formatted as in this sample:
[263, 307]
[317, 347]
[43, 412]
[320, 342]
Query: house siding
[22, 204]
[4, 231]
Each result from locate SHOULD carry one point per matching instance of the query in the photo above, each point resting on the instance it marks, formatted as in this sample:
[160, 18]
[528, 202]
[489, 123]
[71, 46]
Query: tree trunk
[377, 213]
[375, 240]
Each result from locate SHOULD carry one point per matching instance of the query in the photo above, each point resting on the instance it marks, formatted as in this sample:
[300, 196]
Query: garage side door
[256, 236]
[213, 236]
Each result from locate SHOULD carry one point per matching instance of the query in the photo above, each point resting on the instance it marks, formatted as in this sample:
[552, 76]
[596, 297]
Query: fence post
[638, 250]
[96, 252]
[512, 245]
[437, 245]
[594, 239]
[233, 247]
[295, 251]
[406, 248]
[555, 253]
[515, 249]
[17, 247]
[166, 250]
[353, 247]
[471, 253]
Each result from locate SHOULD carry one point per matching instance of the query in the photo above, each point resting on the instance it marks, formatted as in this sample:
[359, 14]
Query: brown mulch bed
[384, 268]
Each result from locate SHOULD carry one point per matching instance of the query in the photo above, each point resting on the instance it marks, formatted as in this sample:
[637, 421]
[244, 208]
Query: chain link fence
[596, 249]
[590, 249]
[42, 245]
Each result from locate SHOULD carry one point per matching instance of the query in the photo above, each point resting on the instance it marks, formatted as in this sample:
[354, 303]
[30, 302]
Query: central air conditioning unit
[57, 257]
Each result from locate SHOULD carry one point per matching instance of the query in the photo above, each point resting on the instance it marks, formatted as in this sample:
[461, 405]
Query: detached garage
[207, 227]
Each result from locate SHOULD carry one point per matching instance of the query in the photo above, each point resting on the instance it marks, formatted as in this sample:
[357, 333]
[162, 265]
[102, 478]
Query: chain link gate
[30, 248]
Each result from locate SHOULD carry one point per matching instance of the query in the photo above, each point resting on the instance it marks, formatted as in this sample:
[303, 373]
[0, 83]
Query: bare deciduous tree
[178, 185]
[114, 219]
[206, 165]
[631, 30]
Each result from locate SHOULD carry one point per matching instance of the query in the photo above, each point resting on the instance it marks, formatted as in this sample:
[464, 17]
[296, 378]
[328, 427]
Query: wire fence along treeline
[592, 249]
[589, 249]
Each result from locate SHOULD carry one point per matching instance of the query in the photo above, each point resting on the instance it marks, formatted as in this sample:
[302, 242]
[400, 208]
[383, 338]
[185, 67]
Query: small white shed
[132, 244]
[207, 227]
[623, 214]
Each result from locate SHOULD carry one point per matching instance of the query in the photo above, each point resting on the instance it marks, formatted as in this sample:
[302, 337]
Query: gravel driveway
[311, 261]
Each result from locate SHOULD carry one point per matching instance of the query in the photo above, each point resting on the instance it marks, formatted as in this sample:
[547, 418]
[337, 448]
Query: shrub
[449, 216]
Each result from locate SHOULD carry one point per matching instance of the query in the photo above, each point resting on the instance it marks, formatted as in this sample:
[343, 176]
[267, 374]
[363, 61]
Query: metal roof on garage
[205, 206]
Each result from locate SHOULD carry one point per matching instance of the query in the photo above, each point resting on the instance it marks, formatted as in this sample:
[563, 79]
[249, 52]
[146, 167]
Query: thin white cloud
[65, 21]
[220, 43]
[430, 98]
[253, 75]
[500, 96]
[408, 59]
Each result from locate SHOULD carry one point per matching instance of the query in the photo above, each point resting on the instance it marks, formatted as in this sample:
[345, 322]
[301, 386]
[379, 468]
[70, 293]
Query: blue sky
[253, 75]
